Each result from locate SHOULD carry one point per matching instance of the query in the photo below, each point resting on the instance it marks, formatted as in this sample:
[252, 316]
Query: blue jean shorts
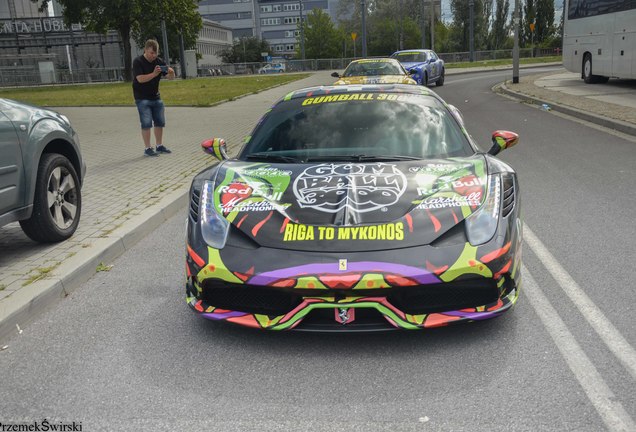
[150, 111]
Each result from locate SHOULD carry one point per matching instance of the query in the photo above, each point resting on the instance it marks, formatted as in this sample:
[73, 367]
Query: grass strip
[203, 92]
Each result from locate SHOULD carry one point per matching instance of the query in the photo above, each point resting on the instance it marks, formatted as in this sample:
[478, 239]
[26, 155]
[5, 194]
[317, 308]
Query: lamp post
[433, 24]
[363, 10]
[515, 49]
[423, 27]
[244, 56]
[471, 31]
[302, 33]
[164, 38]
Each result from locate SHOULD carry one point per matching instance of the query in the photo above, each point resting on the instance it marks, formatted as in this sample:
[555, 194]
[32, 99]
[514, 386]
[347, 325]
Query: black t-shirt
[148, 90]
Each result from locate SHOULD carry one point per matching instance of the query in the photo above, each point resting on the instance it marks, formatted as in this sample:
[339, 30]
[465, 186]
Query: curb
[618, 125]
[29, 302]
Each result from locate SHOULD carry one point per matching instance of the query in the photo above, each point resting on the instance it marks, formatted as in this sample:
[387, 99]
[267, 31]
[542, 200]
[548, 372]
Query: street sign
[354, 35]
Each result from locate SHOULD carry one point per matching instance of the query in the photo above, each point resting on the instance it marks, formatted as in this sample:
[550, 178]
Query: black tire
[57, 203]
[440, 80]
[588, 76]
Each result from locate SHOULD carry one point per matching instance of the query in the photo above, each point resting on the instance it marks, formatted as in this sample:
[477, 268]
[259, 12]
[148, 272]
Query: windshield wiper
[362, 158]
[272, 157]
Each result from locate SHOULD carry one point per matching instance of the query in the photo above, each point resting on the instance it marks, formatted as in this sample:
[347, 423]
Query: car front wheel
[57, 202]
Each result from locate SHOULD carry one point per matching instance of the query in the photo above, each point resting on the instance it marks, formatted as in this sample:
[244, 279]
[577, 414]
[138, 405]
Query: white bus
[599, 39]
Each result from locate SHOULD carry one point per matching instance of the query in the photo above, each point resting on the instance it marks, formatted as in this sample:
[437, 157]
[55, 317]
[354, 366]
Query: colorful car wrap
[353, 246]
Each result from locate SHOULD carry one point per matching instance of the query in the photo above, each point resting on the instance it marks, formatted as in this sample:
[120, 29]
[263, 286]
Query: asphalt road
[124, 352]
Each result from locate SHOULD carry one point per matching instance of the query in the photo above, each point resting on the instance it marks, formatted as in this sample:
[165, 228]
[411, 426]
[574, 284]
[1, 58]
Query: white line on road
[611, 411]
[609, 334]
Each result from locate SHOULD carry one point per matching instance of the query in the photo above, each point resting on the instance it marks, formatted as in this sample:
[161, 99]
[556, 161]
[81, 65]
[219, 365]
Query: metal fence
[341, 63]
[12, 76]
[26, 76]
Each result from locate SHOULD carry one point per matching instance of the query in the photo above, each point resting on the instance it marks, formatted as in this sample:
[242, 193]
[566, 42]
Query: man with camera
[148, 69]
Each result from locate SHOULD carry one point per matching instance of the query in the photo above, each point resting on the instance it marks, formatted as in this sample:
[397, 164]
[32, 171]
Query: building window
[277, 8]
[292, 20]
[266, 9]
[290, 47]
[291, 7]
[270, 21]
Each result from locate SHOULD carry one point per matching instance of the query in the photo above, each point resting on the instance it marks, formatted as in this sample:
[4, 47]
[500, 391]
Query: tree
[500, 31]
[187, 26]
[394, 25]
[461, 25]
[131, 18]
[245, 50]
[322, 40]
[530, 16]
[384, 37]
[545, 20]
[349, 21]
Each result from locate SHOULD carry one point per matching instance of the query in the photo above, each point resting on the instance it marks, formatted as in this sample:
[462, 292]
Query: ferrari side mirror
[335, 75]
[502, 140]
[216, 147]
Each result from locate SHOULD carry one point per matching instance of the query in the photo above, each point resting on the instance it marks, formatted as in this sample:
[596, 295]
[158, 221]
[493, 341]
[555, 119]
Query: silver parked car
[41, 172]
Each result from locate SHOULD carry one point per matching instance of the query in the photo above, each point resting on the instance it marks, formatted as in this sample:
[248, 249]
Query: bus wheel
[588, 77]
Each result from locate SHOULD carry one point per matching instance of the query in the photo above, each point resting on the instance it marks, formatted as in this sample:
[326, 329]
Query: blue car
[424, 65]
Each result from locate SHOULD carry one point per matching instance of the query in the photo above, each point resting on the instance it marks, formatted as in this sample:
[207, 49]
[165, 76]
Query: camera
[164, 69]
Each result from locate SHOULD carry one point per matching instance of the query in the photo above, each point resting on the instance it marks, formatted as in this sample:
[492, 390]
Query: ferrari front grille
[248, 298]
[424, 299]
[414, 300]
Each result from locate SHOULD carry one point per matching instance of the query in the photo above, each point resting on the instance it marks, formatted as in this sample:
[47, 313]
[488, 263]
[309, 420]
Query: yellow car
[374, 71]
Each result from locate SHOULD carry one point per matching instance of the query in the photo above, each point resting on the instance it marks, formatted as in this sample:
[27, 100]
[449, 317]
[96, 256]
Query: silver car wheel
[62, 198]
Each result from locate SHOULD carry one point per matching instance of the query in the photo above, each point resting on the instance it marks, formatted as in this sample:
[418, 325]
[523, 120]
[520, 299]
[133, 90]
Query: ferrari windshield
[358, 127]
[411, 57]
[373, 68]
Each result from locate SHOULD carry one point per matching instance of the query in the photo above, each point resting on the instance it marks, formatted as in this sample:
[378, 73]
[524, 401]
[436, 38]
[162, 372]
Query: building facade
[275, 21]
[213, 38]
[20, 9]
[29, 37]
[278, 23]
[238, 15]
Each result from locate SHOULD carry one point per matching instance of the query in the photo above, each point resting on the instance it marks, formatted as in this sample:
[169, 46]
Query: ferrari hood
[411, 65]
[379, 79]
[349, 206]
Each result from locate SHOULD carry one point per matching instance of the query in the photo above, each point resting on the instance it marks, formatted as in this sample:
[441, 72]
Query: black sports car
[356, 208]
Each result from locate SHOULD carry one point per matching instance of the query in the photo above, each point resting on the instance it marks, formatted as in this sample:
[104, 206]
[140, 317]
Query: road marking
[611, 411]
[609, 334]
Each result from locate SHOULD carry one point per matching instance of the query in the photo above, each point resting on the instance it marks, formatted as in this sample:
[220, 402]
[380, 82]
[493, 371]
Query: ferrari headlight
[481, 225]
[214, 227]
